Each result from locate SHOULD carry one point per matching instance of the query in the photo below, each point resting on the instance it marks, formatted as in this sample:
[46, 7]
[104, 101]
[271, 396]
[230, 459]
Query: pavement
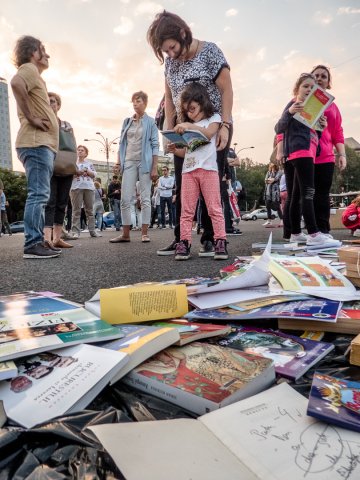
[95, 263]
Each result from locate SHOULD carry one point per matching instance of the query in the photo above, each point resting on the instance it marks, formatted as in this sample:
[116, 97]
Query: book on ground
[22, 335]
[28, 303]
[201, 377]
[267, 436]
[191, 331]
[335, 400]
[192, 139]
[355, 351]
[140, 342]
[343, 324]
[315, 105]
[54, 383]
[292, 355]
[139, 303]
[8, 370]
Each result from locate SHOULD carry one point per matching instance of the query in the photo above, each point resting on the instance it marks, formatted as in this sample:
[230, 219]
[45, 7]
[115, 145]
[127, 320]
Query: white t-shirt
[203, 157]
[84, 183]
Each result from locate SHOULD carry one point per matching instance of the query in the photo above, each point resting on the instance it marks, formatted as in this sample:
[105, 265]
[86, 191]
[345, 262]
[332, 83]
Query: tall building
[5, 138]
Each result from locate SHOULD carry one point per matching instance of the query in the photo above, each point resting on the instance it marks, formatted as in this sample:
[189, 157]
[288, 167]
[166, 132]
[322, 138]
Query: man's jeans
[166, 201]
[117, 212]
[39, 165]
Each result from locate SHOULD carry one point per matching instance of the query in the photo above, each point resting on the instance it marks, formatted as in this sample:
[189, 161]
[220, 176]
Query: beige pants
[80, 197]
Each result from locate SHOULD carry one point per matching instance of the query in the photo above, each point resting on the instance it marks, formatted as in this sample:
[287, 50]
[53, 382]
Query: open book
[267, 436]
[192, 139]
[315, 105]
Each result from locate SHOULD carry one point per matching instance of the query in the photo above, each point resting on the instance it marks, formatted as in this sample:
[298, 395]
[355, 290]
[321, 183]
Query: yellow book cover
[143, 303]
[315, 105]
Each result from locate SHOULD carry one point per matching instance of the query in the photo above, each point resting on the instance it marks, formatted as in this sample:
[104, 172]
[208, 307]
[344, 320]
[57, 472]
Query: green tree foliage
[350, 177]
[252, 178]
[15, 189]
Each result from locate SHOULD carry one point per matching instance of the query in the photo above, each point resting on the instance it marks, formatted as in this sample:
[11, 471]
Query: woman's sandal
[145, 238]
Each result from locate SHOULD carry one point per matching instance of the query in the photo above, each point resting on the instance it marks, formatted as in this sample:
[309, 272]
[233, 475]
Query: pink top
[314, 140]
[332, 135]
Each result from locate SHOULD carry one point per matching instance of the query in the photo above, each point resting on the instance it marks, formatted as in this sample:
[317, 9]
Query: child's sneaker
[221, 252]
[298, 237]
[182, 251]
[318, 239]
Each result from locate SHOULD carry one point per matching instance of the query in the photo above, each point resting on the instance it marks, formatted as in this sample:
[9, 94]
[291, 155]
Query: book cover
[312, 276]
[315, 105]
[54, 383]
[292, 355]
[139, 303]
[267, 436]
[140, 342]
[23, 335]
[192, 139]
[342, 325]
[315, 309]
[8, 370]
[355, 351]
[335, 400]
[191, 332]
[201, 377]
[29, 303]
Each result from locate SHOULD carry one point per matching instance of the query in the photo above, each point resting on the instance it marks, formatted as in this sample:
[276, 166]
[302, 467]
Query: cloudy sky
[99, 56]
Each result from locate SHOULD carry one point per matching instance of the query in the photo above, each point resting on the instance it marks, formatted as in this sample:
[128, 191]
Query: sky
[99, 56]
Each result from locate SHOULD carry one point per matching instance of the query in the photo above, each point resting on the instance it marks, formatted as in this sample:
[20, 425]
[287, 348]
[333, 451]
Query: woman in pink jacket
[331, 137]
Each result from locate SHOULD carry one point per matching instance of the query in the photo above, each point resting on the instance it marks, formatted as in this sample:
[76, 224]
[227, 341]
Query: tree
[251, 176]
[15, 188]
[350, 177]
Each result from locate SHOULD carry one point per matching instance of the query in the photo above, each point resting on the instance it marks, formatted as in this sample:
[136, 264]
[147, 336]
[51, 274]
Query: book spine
[183, 399]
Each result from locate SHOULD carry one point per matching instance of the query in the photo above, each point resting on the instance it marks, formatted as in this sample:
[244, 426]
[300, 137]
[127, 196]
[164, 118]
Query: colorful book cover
[29, 303]
[191, 332]
[54, 383]
[315, 105]
[140, 342]
[23, 335]
[292, 355]
[334, 400]
[314, 309]
[192, 139]
[201, 377]
[8, 370]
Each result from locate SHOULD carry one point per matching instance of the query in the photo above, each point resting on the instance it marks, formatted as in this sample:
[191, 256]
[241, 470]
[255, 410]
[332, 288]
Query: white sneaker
[268, 222]
[318, 239]
[299, 238]
[328, 235]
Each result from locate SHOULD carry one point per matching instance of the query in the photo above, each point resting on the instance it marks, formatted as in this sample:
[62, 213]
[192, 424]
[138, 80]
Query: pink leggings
[206, 182]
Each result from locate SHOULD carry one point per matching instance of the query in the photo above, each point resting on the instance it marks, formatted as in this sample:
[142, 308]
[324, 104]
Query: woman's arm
[170, 111]
[223, 82]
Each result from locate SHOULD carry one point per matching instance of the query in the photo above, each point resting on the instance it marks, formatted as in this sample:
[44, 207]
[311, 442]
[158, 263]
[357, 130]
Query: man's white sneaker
[299, 237]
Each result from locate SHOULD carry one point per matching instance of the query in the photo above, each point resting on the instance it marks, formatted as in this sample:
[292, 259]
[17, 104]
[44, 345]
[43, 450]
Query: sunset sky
[100, 56]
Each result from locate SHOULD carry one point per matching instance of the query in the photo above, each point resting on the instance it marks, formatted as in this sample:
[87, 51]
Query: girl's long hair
[195, 92]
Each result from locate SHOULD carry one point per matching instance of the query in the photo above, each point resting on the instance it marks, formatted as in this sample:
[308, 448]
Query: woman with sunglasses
[332, 136]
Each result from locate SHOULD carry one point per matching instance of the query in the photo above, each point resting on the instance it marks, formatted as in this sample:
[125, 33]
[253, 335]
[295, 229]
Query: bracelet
[341, 155]
[226, 125]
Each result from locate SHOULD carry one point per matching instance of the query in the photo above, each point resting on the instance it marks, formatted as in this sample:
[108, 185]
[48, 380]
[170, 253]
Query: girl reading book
[300, 144]
[200, 170]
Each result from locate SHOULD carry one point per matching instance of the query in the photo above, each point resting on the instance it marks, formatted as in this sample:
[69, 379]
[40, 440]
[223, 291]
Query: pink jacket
[353, 212]
[332, 135]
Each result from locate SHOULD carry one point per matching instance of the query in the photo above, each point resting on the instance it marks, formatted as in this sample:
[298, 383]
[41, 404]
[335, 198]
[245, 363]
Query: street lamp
[244, 148]
[107, 148]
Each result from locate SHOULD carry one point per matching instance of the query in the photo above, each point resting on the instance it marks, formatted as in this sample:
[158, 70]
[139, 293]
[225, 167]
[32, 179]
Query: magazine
[292, 355]
[192, 139]
[315, 105]
[28, 303]
[54, 383]
[22, 335]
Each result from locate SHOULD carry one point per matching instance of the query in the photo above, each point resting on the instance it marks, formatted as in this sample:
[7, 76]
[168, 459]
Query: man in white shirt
[166, 185]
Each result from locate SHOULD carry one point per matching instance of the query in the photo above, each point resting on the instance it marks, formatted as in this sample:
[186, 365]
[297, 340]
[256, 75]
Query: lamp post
[107, 148]
[244, 148]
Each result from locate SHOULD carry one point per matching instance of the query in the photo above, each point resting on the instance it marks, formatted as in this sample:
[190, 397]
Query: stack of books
[351, 256]
[355, 351]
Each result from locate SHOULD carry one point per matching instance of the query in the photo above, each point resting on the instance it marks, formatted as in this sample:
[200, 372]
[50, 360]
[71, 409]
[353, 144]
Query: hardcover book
[22, 335]
[140, 342]
[342, 325]
[334, 400]
[54, 383]
[292, 355]
[201, 377]
[192, 139]
[265, 437]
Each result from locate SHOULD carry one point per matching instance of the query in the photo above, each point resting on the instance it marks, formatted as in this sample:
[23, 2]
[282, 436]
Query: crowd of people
[198, 96]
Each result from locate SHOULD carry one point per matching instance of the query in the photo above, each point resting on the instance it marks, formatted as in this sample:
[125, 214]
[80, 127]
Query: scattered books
[336, 401]
[192, 139]
[355, 351]
[54, 383]
[23, 335]
[140, 342]
[29, 303]
[343, 324]
[315, 105]
[267, 436]
[191, 332]
[292, 356]
[201, 377]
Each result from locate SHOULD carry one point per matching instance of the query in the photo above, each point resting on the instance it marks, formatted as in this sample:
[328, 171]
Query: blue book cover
[335, 400]
[292, 355]
[30, 303]
[314, 309]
